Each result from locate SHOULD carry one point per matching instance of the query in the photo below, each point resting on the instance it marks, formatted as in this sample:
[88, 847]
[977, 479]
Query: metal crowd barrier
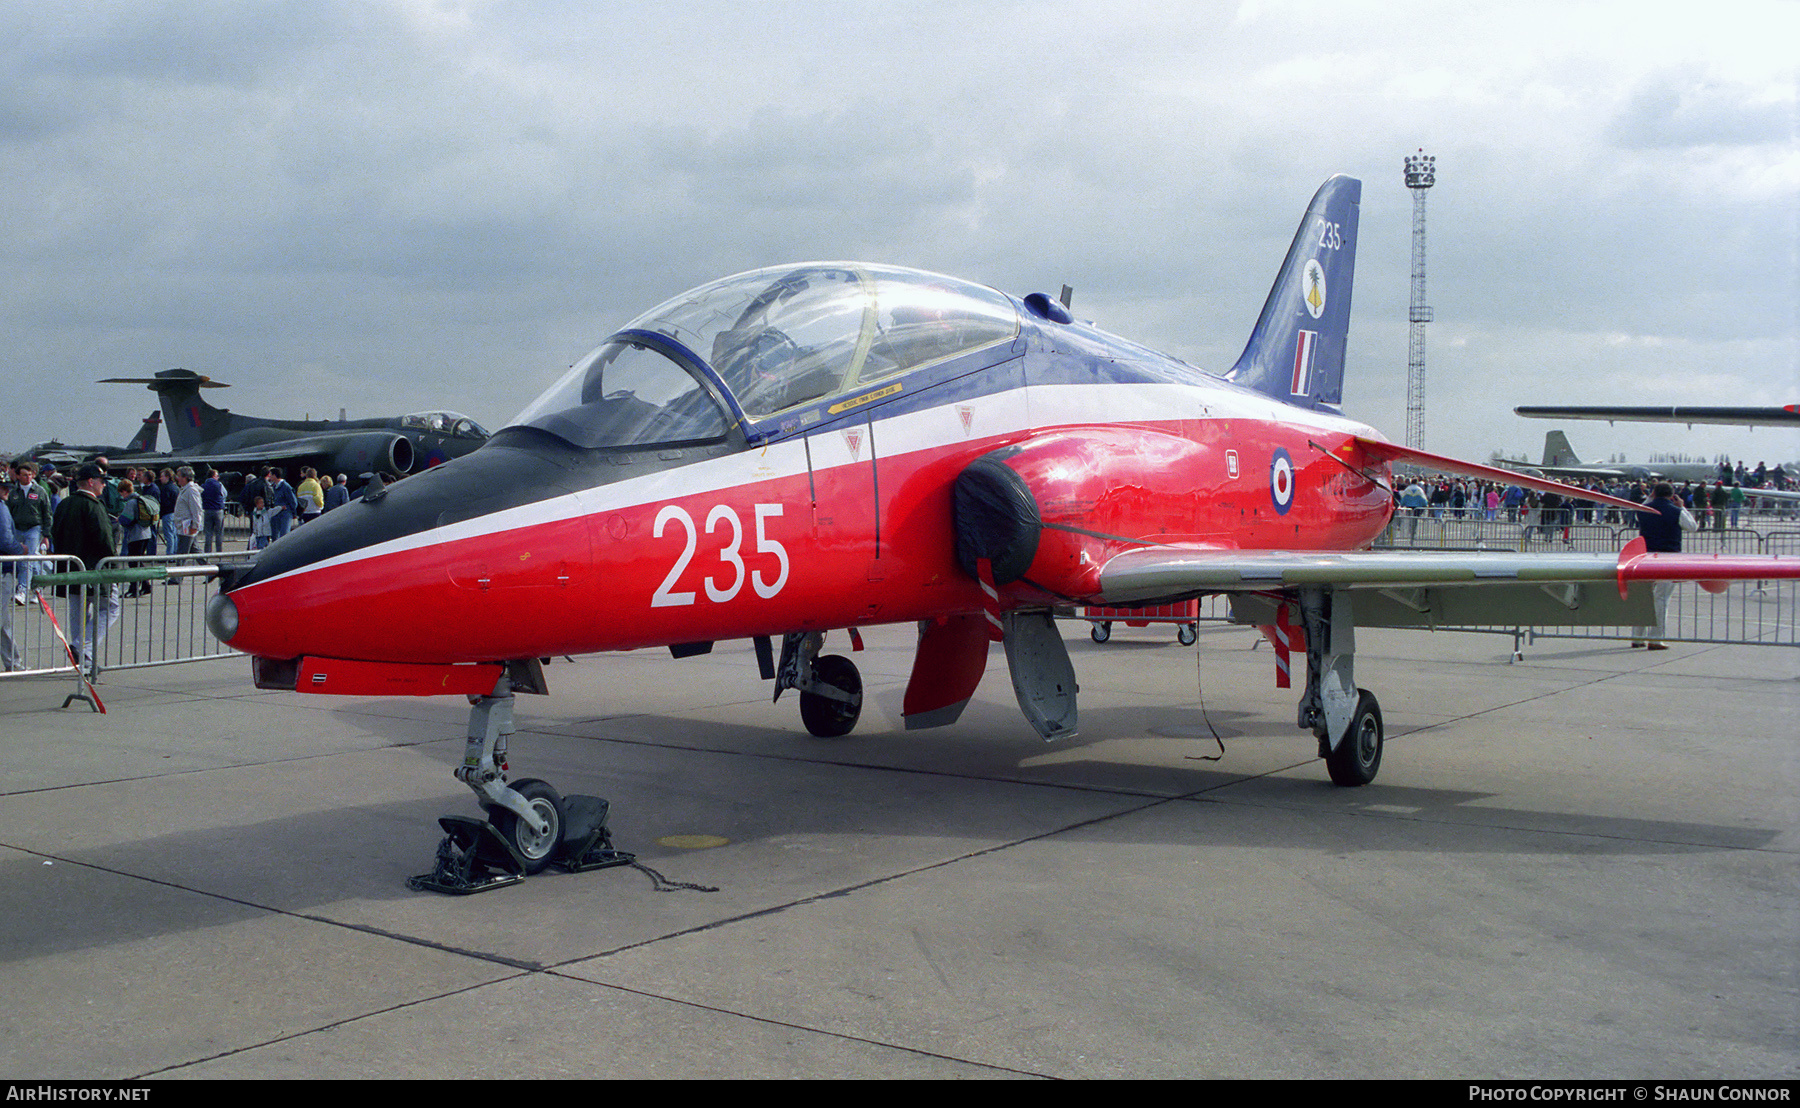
[141, 622]
[28, 644]
[163, 622]
[1763, 613]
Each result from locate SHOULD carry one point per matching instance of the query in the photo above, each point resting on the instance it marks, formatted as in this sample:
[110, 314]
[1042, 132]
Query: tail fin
[1296, 352]
[145, 442]
[190, 420]
[1557, 451]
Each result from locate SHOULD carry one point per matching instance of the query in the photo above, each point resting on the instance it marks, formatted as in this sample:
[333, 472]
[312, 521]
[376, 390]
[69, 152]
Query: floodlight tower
[1421, 174]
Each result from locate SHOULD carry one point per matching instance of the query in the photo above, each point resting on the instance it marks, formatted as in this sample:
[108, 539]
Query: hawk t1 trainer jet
[817, 447]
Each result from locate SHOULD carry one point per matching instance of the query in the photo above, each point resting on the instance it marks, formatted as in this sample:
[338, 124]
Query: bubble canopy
[750, 347]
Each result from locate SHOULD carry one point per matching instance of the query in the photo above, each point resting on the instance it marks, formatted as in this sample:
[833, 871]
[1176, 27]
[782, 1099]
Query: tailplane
[191, 420]
[1296, 352]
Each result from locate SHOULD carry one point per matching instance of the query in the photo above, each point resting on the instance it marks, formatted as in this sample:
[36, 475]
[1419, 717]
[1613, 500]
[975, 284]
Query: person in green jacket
[83, 527]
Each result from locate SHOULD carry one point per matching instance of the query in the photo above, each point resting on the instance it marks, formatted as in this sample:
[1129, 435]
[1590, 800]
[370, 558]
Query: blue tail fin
[1296, 353]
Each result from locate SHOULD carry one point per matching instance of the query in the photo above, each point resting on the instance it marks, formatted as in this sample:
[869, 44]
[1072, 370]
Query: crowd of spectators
[1716, 505]
[94, 513]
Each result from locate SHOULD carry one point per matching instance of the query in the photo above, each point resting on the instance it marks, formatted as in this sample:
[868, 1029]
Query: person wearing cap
[83, 527]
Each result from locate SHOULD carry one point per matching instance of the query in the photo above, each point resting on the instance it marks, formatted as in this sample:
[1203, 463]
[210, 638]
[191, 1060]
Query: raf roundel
[1281, 481]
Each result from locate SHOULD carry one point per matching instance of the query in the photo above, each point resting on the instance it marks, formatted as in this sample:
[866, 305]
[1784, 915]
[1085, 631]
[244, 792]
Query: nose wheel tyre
[830, 717]
[1358, 757]
[536, 849]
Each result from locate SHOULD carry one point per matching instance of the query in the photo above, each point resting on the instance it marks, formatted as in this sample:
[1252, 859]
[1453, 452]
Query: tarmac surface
[1583, 865]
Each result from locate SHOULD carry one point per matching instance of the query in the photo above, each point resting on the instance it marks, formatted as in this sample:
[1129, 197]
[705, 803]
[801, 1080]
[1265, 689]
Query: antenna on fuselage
[1068, 294]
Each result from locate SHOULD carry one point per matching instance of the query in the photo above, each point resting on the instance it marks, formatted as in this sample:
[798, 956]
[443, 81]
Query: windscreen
[777, 338]
[784, 336]
[626, 394]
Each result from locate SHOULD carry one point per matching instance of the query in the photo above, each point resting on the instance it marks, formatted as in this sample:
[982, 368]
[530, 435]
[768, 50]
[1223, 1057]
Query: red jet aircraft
[824, 446]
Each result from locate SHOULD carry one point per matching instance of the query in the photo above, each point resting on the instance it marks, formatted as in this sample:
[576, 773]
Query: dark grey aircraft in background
[199, 432]
[62, 454]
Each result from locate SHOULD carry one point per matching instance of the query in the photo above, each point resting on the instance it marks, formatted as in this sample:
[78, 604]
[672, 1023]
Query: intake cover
[995, 517]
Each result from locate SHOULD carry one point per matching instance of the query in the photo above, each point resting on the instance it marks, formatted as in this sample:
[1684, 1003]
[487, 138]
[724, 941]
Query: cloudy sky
[391, 205]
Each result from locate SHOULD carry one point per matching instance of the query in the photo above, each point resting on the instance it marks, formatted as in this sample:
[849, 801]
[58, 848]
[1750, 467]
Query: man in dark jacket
[83, 527]
[1661, 522]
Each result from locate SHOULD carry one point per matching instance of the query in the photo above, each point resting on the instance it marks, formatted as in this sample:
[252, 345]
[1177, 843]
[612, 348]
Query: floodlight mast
[1421, 174]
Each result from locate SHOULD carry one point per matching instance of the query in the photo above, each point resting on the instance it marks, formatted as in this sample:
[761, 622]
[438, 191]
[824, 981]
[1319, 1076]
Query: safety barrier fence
[1755, 508]
[163, 622]
[1752, 613]
[1406, 532]
[1760, 613]
[28, 644]
[143, 611]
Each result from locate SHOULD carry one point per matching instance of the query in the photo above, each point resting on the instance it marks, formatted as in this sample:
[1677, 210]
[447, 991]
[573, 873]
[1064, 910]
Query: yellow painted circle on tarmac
[692, 842]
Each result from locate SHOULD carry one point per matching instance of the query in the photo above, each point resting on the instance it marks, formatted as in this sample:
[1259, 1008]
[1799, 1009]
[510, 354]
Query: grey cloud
[1684, 108]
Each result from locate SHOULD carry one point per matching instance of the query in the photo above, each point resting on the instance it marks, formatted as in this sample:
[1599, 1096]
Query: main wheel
[828, 717]
[1186, 634]
[1102, 630]
[536, 849]
[1358, 756]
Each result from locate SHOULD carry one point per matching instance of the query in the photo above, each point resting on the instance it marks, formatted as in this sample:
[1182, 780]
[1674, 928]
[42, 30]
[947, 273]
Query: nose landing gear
[529, 827]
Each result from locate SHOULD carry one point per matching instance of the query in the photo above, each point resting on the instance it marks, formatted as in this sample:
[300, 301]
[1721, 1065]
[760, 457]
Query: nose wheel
[536, 845]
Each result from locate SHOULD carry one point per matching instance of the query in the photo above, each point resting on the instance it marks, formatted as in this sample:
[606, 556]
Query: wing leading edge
[1422, 588]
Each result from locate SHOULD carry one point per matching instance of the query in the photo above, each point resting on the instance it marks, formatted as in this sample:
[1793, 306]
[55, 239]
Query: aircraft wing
[1394, 452]
[1422, 588]
[1785, 416]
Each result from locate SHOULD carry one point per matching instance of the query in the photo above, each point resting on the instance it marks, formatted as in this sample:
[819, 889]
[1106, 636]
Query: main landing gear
[529, 826]
[1345, 719]
[831, 694]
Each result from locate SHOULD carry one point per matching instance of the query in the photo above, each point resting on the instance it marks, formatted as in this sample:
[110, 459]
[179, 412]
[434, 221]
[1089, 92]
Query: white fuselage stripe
[1036, 408]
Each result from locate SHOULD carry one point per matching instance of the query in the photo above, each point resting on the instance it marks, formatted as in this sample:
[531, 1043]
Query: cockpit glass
[777, 338]
[626, 394]
[784, 336]
[444, 423]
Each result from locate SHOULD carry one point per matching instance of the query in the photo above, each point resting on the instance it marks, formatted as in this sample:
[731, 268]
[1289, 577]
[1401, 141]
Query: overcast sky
[393, 205]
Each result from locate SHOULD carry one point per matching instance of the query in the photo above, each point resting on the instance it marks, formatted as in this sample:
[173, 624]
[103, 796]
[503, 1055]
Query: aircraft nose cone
[381, 577]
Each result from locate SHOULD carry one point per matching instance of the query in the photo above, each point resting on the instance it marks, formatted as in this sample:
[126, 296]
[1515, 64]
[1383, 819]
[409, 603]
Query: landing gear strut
[831, 693]
[529, 827]
[1346, 719]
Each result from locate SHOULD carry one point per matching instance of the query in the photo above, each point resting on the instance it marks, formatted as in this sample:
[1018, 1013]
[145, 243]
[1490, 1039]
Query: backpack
[147, 512]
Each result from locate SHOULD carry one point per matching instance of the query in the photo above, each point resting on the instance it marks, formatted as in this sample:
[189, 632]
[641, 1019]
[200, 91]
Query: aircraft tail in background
[1557, 451]
[191, 420]
[145, 442]
[1296, 352]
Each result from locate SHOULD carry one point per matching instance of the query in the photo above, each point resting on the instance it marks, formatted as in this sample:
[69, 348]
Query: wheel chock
[473, 858]
[586, 842]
